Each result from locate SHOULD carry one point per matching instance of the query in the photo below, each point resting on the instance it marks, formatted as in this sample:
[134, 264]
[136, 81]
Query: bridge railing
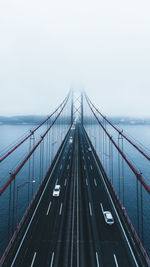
[26, 175]
[115, 153]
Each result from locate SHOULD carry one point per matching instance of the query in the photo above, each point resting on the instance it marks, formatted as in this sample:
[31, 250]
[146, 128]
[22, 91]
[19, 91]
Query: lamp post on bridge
[18, 188]
[53, 146]
[94, 139]
[62, 135]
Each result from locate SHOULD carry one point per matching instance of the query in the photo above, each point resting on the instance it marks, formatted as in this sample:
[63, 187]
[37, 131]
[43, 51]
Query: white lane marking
[115, 211]
[86, 182]
[73, 216]
[102, 207]
[60, 209]
[91, 167]
[56, 181]
[116, 262]
[90, 208]
[33, 259]
[61, 167]
[65, 182]
[78, 259]
[52, 259]
[68, 167]
[88, 157]
[48, 208]
[97, 260]
[84, 167]
[83, 157]
[95, 182]
[23, 238]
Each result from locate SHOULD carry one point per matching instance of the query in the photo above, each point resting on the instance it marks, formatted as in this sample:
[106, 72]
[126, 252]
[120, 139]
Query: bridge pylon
[77, 107]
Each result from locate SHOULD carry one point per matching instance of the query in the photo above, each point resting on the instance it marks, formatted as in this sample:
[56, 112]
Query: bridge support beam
[82, 108]
[72, 107]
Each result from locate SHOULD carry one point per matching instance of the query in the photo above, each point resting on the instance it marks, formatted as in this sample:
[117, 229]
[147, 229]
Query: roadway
[70, 230]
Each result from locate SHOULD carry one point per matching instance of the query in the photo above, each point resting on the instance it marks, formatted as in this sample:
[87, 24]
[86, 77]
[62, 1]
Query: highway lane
[114, 251]
[39, 242]
[70, 231]
[87, 240]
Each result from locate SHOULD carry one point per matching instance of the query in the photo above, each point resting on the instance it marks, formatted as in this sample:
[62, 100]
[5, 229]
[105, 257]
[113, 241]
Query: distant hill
[122, 120]
[37, 119]
[129, 120]
[30, 119]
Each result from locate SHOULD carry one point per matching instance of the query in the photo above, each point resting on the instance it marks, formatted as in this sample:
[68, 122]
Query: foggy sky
[48, 47]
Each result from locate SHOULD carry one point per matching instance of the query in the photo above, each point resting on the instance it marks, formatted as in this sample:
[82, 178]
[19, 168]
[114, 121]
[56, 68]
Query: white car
[90, 149]
[108, 217]
[56, 191]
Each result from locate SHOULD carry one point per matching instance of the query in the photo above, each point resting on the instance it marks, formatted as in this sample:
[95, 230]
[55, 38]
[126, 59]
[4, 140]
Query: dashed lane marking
[95, 182]
[65, 182]
[102, 207]
[90, 208]
[52, 259]
[97, 260]
[33, 260]
[116, 262]
[48, 208]
[60, 209]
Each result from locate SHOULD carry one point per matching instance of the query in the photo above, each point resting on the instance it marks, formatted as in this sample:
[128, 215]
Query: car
[90, 149]
[71, 140]
[56, 191]
[108, 217]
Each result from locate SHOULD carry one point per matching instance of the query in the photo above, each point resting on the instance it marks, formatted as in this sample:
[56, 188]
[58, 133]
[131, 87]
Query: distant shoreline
[37, 119]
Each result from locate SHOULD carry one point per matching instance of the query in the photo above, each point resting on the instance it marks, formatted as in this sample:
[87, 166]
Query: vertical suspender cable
[13, 210]
[9, 212]
[137, 192]
[122, 175]
[119, 165]
[142, 232]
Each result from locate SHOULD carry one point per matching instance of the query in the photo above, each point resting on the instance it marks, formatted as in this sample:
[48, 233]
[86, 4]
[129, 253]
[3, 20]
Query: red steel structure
[138, 175]
[120, 132]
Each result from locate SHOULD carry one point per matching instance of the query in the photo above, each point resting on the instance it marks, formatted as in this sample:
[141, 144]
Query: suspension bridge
[82, 152]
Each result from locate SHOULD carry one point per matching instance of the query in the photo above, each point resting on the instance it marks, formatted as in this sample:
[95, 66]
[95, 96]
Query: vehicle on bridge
[56, 191]
[108, 217]
[71, 140]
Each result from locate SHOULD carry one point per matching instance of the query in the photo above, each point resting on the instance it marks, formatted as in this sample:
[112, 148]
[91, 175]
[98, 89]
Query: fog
[48, 47]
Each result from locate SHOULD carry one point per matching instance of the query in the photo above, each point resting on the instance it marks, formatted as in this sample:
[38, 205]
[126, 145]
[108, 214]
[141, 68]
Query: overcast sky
[48, 46]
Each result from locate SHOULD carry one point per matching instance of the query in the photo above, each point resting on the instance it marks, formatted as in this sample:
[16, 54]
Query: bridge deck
[70, 230]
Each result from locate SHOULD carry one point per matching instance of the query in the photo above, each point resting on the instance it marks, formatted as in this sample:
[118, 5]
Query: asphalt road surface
[70, 230]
